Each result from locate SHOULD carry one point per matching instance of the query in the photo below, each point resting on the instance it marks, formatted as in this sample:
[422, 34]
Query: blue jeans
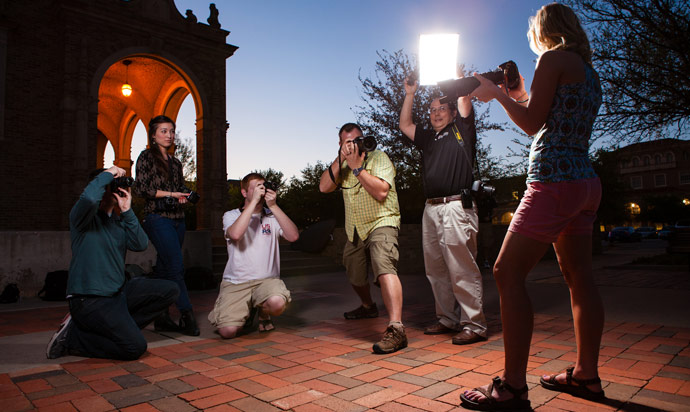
[110, 327]
[167, 236]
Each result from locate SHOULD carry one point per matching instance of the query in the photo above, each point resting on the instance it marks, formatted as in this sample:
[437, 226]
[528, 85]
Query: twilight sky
[293, 81]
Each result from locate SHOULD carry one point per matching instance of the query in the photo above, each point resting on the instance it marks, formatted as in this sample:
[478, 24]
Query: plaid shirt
[363, 213]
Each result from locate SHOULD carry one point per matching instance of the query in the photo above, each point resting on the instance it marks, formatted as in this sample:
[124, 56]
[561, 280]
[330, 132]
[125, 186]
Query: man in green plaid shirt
[372, 220]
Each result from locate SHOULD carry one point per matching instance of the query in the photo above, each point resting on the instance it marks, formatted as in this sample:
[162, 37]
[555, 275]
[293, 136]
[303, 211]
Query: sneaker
[57, 347]
[362, 312]
[393, 340]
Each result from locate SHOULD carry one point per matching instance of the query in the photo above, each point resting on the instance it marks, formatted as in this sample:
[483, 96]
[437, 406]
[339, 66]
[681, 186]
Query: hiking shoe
[362, 312]
[393, 340]
[57, 347]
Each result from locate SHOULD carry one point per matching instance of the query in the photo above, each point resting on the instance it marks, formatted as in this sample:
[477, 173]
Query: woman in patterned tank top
[559, 208]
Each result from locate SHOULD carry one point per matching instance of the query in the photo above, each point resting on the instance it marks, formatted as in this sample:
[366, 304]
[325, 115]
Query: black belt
[445, 199]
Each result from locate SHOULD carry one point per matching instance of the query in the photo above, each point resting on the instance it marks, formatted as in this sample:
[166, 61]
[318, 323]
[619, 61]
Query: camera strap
[475, 164]
[340, 166]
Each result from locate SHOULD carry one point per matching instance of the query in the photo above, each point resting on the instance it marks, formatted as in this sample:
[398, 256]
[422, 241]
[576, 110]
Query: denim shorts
[549, 210]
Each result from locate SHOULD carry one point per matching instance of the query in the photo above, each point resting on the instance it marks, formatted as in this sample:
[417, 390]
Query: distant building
[648, 170]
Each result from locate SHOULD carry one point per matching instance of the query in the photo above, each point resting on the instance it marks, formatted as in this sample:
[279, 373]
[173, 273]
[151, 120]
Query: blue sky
[293, 81]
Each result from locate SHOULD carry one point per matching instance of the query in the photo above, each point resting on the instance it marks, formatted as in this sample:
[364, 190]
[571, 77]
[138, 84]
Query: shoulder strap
[475, 164]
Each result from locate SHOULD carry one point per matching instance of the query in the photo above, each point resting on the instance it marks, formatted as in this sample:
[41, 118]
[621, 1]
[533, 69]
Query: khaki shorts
[382, 245]
[235, 301]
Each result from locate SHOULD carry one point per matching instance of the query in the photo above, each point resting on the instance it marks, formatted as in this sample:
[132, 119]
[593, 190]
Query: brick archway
[158, 87]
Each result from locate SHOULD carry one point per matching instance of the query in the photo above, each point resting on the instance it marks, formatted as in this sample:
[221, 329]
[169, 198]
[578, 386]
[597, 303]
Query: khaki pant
[449, 238]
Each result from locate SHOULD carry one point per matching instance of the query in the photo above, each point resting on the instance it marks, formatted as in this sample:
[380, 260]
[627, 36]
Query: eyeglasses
[440, 109]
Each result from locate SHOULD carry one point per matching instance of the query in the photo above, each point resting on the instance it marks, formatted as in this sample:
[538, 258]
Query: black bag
[200, 278]
[10, 294]
[55, 286]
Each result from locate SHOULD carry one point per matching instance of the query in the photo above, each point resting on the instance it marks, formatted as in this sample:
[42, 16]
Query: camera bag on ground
[10, 294]
[55, 286]
[200, 278]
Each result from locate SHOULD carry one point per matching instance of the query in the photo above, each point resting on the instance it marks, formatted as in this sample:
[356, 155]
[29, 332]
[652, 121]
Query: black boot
[163, 323]
[188, 323]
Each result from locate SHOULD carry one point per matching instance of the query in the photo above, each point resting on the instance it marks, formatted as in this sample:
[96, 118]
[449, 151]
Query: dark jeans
[167, 236]
[110, 327]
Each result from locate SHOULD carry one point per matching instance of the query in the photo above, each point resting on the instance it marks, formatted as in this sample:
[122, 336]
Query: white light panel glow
[438, 57]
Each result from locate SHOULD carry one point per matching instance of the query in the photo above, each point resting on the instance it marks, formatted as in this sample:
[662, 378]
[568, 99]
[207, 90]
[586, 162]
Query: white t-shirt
[255, 256]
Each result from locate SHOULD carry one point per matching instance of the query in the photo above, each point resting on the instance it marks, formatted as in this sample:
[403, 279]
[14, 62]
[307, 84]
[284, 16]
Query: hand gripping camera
[506, 73]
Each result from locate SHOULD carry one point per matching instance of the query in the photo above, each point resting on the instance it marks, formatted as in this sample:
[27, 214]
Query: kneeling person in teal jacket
[107, 312]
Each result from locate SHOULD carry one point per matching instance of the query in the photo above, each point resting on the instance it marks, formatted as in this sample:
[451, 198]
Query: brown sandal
[491, 404]
[580, 390]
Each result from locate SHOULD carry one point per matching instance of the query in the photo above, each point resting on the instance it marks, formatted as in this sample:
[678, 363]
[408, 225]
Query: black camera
[506, 73]
[122, 182]
[481, 189]
[166, 204]
[271, 186]
[365, 143]
[193, 197]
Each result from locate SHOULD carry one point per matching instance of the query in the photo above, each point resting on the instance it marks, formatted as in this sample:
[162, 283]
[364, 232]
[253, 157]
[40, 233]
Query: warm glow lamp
[126, 88]
[438, 57]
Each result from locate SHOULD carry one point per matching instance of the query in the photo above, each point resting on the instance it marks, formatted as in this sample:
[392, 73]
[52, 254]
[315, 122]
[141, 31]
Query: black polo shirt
[447, 162]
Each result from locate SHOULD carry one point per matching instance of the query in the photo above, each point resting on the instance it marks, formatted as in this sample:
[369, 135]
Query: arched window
[669, 157]
[658, 159]
[635, 161]
[646, 160]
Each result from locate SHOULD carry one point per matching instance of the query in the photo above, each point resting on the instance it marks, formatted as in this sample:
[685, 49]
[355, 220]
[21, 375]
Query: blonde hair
[556, 27]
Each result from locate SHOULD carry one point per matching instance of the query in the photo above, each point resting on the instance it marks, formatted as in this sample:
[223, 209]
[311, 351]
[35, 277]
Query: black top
[448, 162]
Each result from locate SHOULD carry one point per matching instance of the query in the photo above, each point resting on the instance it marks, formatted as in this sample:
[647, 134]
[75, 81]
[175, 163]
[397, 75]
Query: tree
[304, 203]
[641, 51]
[185, 154]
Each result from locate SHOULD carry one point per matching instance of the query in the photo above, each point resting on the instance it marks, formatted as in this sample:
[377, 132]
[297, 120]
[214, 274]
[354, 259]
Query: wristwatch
[357, 171]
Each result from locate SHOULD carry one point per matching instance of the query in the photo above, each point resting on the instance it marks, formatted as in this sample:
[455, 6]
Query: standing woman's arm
[531, 115]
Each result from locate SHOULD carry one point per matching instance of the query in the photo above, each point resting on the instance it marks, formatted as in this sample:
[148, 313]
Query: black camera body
[365, 143]
[506, 73]
[193, 197]
[481, 189]
[169, 203]
[271, 185]
[166, 204]
[122, 182]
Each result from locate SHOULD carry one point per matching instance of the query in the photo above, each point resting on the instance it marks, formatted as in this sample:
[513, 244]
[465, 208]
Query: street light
[126, 88]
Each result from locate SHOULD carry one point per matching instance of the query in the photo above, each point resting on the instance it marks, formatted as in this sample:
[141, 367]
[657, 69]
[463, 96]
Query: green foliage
[184, 152]
[665, 209]
[640, 49]
[305, 204]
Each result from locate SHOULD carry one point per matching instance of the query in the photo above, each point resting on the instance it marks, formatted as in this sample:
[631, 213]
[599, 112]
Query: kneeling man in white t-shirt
[251, 279]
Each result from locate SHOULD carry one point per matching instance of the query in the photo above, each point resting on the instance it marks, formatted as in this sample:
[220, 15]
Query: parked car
[624, 234]
[666, 232]
[683, 223]
[647, 232]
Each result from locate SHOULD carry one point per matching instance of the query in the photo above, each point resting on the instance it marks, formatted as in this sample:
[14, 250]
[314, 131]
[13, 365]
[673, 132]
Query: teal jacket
[100, 243]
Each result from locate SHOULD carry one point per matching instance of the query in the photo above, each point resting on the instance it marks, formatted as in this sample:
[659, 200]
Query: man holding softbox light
[449, 224]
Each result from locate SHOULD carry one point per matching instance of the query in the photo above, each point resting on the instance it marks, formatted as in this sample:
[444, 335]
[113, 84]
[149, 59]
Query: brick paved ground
[327, 365]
